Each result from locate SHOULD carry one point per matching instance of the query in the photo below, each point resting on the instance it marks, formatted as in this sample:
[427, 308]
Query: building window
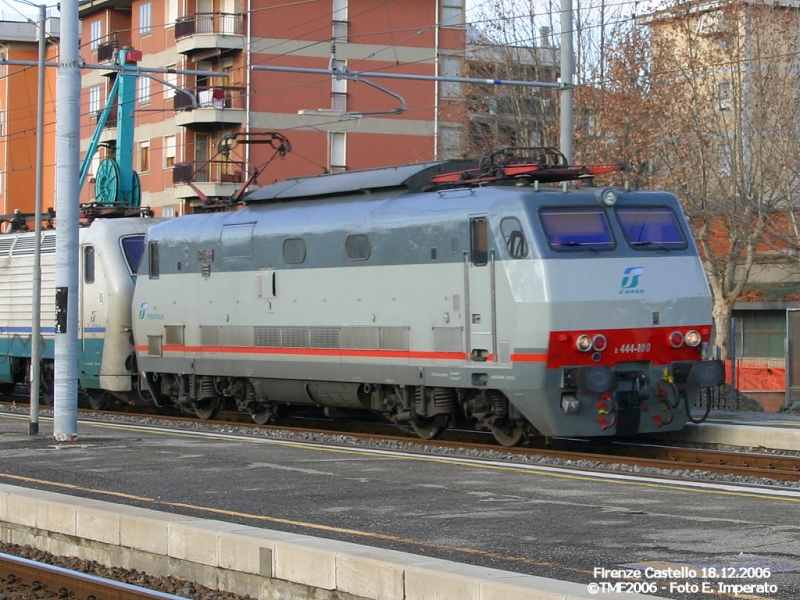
[144, 18]
[95, 33]
[2, 122]
[172, 12]
[143, 83]
[169, 151]
[338, 152]
[339, 90]
[340, 20]
[172, 79]
[94, 100]
[724, 95]
[453, 13]
[144, 156]
[451, 67]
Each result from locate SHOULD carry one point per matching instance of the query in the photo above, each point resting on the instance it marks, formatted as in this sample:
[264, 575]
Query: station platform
[378, 523]
[746, 429]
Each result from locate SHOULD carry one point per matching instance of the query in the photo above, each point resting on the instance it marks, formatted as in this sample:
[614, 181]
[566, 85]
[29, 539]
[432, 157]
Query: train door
[91, 317]
[480, 294]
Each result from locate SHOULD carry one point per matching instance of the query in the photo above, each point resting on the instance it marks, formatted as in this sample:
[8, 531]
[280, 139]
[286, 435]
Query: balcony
[217, 108]
[215, 178]
[209, 31]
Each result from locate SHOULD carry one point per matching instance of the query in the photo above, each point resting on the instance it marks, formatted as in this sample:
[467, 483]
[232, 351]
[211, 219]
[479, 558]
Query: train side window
[88, 264]
[514, 237]
[294, 251]
[153, 259]
[577, 228]
[479, 238]
[651, 227]
[357, 247]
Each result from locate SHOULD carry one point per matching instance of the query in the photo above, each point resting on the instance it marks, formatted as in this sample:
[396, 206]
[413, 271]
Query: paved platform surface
[774, 431]
[547, 523]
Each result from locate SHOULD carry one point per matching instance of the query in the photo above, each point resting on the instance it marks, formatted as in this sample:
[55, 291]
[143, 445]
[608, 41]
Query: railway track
[24, 578]
[643, 455]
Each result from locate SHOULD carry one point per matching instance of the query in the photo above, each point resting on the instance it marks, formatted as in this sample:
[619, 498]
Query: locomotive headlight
[692, 338]
[583, 343]
[676, 339]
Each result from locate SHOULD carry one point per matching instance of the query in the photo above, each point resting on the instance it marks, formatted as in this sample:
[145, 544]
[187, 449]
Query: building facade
[207, 103]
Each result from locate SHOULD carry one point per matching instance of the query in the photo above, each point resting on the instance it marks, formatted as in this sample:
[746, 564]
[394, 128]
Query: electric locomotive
[110, 251]
[434, 294]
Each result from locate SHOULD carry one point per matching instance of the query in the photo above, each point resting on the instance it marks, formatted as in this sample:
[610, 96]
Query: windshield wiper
[655, 245]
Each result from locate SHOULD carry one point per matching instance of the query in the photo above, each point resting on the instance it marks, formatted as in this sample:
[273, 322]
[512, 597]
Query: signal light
[599, 342]
[676, 339]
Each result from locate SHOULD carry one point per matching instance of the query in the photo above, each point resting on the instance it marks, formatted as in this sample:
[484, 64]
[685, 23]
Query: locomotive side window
[648, 227]
[132, 249]
[577, 228]
[294, 251]
[153, 256]
[357, 247]
[514, 237]
[479, 238]
[88, 264]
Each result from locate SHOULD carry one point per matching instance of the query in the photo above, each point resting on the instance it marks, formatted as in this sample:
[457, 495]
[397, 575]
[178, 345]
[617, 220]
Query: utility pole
[36, 313]
[567, 69]
[68, 95]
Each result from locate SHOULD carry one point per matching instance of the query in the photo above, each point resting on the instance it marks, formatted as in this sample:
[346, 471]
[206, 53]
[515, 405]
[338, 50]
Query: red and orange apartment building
[192, 150]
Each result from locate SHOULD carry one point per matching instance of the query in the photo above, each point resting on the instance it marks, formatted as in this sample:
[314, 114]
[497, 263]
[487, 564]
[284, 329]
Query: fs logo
[630, 281]
[142, 310]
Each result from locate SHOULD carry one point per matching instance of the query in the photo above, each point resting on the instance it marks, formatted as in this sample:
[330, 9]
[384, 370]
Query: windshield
[651, 226]
[133, 247]
[577, 228]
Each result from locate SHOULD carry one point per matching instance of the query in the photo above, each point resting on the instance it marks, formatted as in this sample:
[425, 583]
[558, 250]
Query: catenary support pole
[68, 95]
[567, 70]
[36, 312]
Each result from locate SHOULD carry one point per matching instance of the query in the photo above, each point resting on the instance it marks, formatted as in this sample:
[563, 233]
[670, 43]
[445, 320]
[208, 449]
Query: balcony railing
[214, 171]
[340, 31]
[214, 23]
[211, 97]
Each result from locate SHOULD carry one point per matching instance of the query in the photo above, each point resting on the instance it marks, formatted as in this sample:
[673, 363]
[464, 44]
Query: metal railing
[215, 23]
[210, 171]
[211, 97]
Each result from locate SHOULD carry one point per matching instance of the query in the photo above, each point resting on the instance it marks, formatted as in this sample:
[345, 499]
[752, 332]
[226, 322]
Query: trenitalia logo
[142, 310]
[630, 281]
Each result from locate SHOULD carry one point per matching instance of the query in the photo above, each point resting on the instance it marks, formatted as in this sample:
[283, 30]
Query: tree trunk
[722, 312]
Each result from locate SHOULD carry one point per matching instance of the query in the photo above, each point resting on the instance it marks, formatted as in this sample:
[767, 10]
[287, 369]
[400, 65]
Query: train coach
[110, 251]
[435, 294]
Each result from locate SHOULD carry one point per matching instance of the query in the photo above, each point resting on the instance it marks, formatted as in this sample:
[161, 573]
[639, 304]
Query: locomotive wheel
[263, 414]
[429, 428]
[206, 409]
[508, 433]
[97, 400]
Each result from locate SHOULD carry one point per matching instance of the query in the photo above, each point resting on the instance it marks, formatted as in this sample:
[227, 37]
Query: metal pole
[67, 174]
[36, 313]
[733, 364]
[567, 34]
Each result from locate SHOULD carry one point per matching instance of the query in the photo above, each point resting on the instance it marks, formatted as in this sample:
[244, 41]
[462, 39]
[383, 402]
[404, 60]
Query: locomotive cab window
[479, 239]
[514, 237]
[577, 228]
[651, 227]
[132, 249]
[357, 247]
[88, 264]
[153, 259]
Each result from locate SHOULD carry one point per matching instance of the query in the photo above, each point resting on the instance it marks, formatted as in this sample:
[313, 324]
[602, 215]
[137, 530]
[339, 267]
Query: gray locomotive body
[517, 309]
